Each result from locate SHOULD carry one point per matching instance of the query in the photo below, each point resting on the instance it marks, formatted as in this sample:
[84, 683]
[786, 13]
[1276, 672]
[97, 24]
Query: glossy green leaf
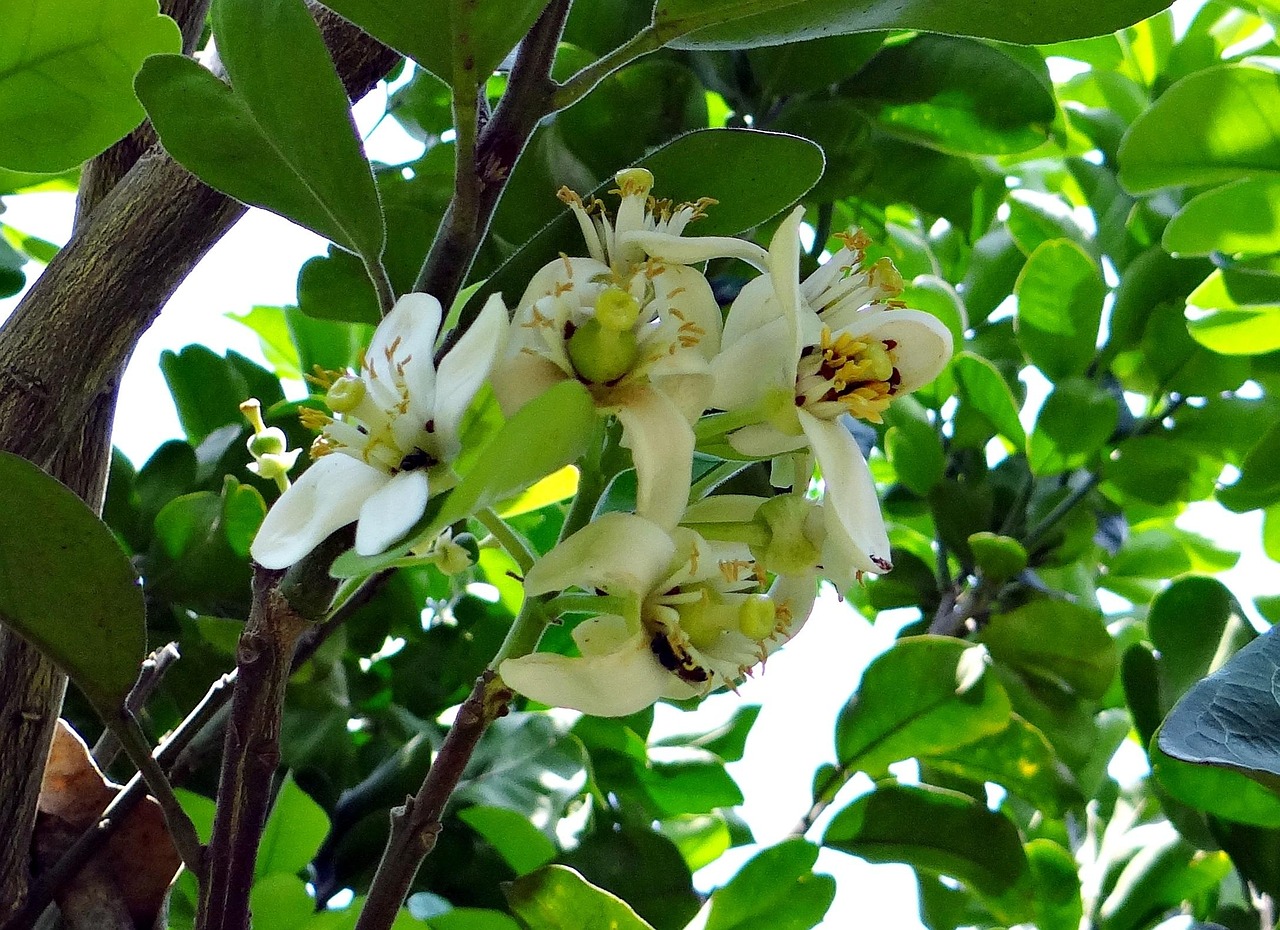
[281, 901]
[1072, 426]
[1035, 220]
[1159, 471]
[523, 845]
[963, 840]
[1220, 792]
[556, 897]
[12, 278]
[1240, 217]
[1232, 718]
[754, 176]
[690, 786]
[981, 386]
[701, 838]
[1057, 641]
[1194, 625]
[816, 64]
[777, 889]
[1056, 881]
[915, 450]
[1060, 293]
[66, 76]
[959, 95]
[927, 695]
[293, 834]
[207, 389]
[749, 23]
[283, 138]
[466, 41]
[1259, 481]
[1018, 758]
[1211, 126]
[66, 586]
[1238, 331]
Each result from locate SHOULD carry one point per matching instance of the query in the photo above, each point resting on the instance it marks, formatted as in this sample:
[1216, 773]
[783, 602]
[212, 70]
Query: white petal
[619, 552]
[392, 511]
[611, 685]
[408, 334]
[724, 508]
[661, 443]
[520, 378]
[923, 343]
[464, 369]
[601, 635]
[685, 294]
[694, 250]
[755, 306]
[747, 369]
[566, 275]
[763, 440]
[856, 524]
[797, 593]
[326, 498]
[784, 269]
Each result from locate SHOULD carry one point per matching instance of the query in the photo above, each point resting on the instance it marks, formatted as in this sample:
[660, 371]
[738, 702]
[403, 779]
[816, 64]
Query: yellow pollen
[732, 569]
[677, 291]
[322, 446]
[856, 241]
[562, 288]
[324, 377]
[313, 419]
[884, 275]
[566, 196]
[538, 320]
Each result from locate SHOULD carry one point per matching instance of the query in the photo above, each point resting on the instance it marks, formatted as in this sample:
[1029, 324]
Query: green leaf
[981, 387]
[690, 786]
[519, 842]
[916, 452]
[750, 23]
[1035, 220]
[1057, 886]
[1159, 471]
[207, 389]
[466, 41]
[66, 76]
[959, 96]
[776, 889]
[754, 175]
[1232, 719]
[1238, 330]
[800, 67]
[1060, 293]
[727, 741]
[293, 834]
[556, 897]
[1194, 625]
[1217, 791]
[1174, 143]
[919, 698]
[1072, 426]
[66, 586]
[283, 138]
[963, 839]
[1240, 217]
[1056, 641]
[1018, 758]
[280, 901]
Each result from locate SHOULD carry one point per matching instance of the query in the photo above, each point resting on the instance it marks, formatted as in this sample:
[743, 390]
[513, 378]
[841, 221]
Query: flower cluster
[681, 596]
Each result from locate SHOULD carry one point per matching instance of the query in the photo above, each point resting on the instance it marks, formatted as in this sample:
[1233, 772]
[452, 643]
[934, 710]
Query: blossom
[797, 358]
[681, 616]
[272, 457]
[633, 323]
[393, 438]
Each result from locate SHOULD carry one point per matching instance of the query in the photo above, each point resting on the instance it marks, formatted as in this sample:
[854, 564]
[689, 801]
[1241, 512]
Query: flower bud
[758, 617]
[790, 549]
[345, 394]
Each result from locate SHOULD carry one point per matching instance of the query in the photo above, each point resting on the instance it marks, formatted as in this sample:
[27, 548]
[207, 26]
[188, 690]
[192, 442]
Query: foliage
[1092, 219]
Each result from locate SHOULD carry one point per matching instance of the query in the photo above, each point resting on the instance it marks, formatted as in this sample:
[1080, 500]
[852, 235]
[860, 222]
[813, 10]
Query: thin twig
[153, 669]
[515, 545]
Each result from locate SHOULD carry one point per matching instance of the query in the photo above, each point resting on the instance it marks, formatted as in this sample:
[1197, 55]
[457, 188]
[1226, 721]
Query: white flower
[394, 439]
[798, 358]
[688, 616]
[636, 325]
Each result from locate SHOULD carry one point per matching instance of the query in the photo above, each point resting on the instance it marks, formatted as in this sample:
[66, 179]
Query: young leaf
[66, 76]
[1243, 216]
[556, 897]
[66, 586]
[962, 839]
[980, 385]
[519, 842]
[283, 138]
[1060, 293]
[1074, 423]
[776, 889]
[1056, 641]
[293, 834]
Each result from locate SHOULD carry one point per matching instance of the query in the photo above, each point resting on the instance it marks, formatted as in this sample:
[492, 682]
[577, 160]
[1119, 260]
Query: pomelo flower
[393, 438]
[635, 324]
[679, 617]
[797, 358]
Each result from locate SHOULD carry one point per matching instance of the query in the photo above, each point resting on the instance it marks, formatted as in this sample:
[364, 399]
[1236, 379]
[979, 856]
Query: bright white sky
[804, 685]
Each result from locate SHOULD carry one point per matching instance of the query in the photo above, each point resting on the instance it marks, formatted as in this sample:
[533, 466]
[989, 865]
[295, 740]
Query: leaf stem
[381, 284]
[514, 544]
[579, 85]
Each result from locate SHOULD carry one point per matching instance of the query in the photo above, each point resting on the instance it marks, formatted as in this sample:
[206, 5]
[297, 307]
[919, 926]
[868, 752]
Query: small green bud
[345, 394]
[616, 309]
[601, 355]
[758, 617]
[270, 441]
[999, 557]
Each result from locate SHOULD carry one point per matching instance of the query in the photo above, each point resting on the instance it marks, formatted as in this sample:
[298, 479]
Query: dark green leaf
[1205, 129]
[1056, 641]
[283, 139]
[1060, 293]
[800, 67]
[915, 450]
[66, 76]
[642, 867]
[963, 840]
[981, 386]
[1195, 626]
[777, 889]
[66, 586]
[293, 834]
[1072, 426]
[523, 845]
[739, 24]
[1217, 791]
[1159, 471]
[557, 897]
[927, 695]
[1057, 886]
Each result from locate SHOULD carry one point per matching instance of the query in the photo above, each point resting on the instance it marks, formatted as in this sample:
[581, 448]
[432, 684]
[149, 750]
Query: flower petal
[407, 336]
[568, 276]
[685, 295]
[923, 343]
[522, 377]
[391, 511]
[693, 250]
[758, 362]
[854, 523]
[784, 270]
[619, 552]
[796, 594]
[724, 508]
[614, 684]
[661, 443]
[326, 498]
[597, 636]
[464, 369]
[764, 440]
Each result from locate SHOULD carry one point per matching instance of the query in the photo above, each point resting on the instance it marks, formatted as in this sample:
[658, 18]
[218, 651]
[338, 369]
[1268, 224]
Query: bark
[61, 355]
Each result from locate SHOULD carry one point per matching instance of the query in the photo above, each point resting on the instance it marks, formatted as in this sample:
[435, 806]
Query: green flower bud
[790, 549]
[758, 617]
[270, 441]
[345, 394]
[999, 557]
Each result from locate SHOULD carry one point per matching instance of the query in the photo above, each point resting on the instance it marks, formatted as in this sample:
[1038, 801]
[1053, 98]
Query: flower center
[844, 374]
[604, 347]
